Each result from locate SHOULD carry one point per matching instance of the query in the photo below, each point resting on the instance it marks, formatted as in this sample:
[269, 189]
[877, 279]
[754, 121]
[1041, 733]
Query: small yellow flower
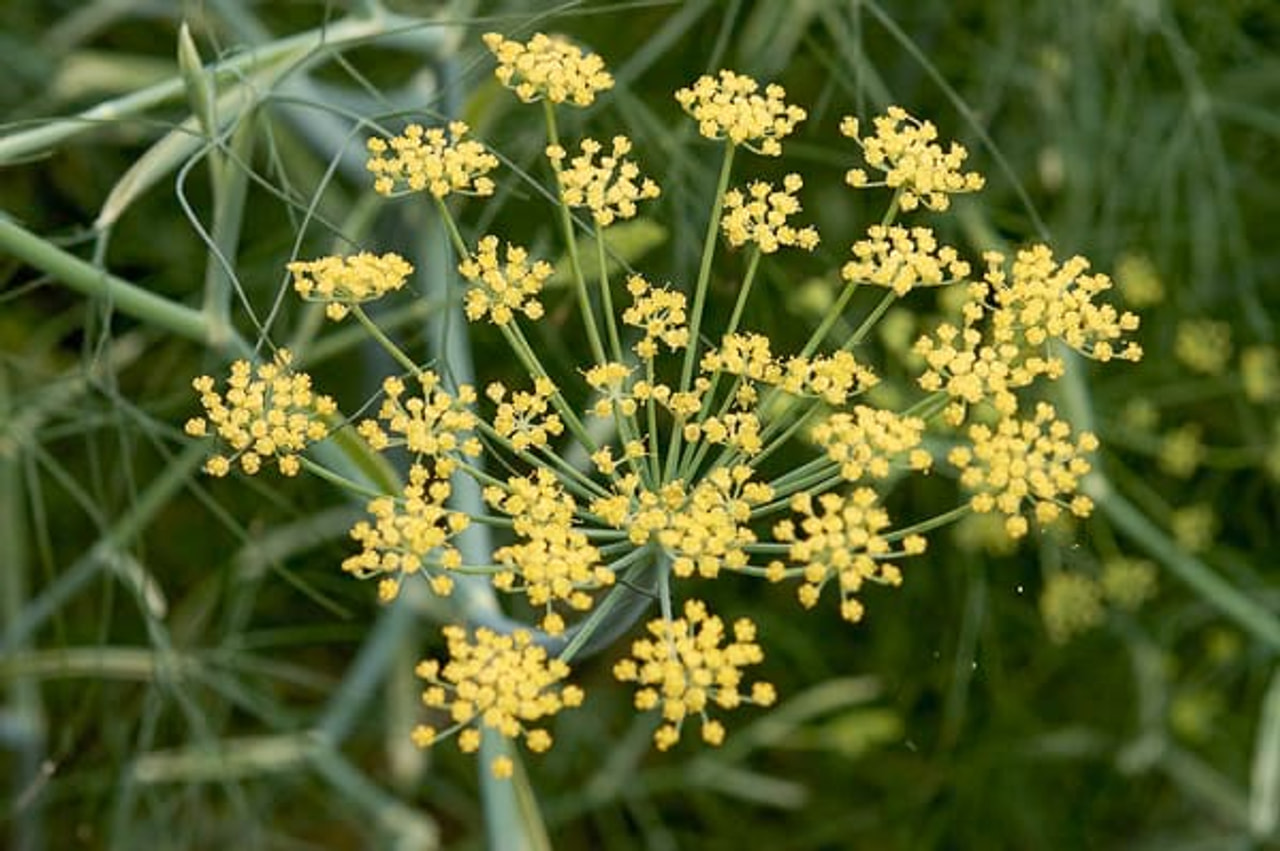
[833, 378]
[685, 668]
[427, 160]
[1026, 306]
[266, 412]
[1181, 451]
[343, 281]
[525, 419]
[902, 259]
[703, 529]
[906, 151]
[844, 541]
[548, 67]
[760, 216]
[609, 189]
[409, 535]
[1025, 460]
[1195, 527]
[730, 107]
[498, 683]
[500, 289]
[1260, 373]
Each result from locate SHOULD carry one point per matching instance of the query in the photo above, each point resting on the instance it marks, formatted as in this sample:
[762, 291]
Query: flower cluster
[502, 289]
[610, 188]
[553, 561]
[434, 426]
[1037, 302]
[901, 259]
[525, 419]
[686, 667]
[844, 540]
[730, 107]
[342, 281]
[760, 216]
[1025, 460]
[550, 68]
[694, 460]
[905, 149]
[498, 683]
[703, 529]
[1203, 345]
[427, 160]
[864, 442]
[409, 536]
[267, 412]
[659, 313]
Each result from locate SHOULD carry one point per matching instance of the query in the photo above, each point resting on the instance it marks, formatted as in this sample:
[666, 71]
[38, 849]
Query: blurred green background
[172, 643]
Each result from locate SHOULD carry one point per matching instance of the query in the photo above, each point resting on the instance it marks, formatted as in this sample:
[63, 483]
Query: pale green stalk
[128, 298]
[571, 244]
[693, 459]
[699, 300]
[387, 344]
[606, 297]
[284, 53]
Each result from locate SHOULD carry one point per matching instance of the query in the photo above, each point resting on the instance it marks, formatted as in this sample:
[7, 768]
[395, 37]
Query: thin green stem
[704, 269]
[383, 340]
[606, 297]
[600, 613]
[571, 244]
[862, 330]
[322, 472]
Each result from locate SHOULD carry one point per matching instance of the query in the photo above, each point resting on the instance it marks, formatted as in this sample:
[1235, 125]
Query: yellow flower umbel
[902, 259]
[552, 560]
[760, 216]
[501, 289]
[865, 441]
[906, 151]
[267, 412]
[843, 541]
[730, 107]
[609, 188]
[340, 282]
[409, 536]
[501, 684]
[548, 68]
[421, 160]
[663, 456]
[1027, 308]
[686, 667]
[1025, 461]
[436, 425]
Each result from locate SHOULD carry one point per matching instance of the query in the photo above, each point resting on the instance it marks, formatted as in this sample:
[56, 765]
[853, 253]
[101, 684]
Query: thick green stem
[129, 299]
